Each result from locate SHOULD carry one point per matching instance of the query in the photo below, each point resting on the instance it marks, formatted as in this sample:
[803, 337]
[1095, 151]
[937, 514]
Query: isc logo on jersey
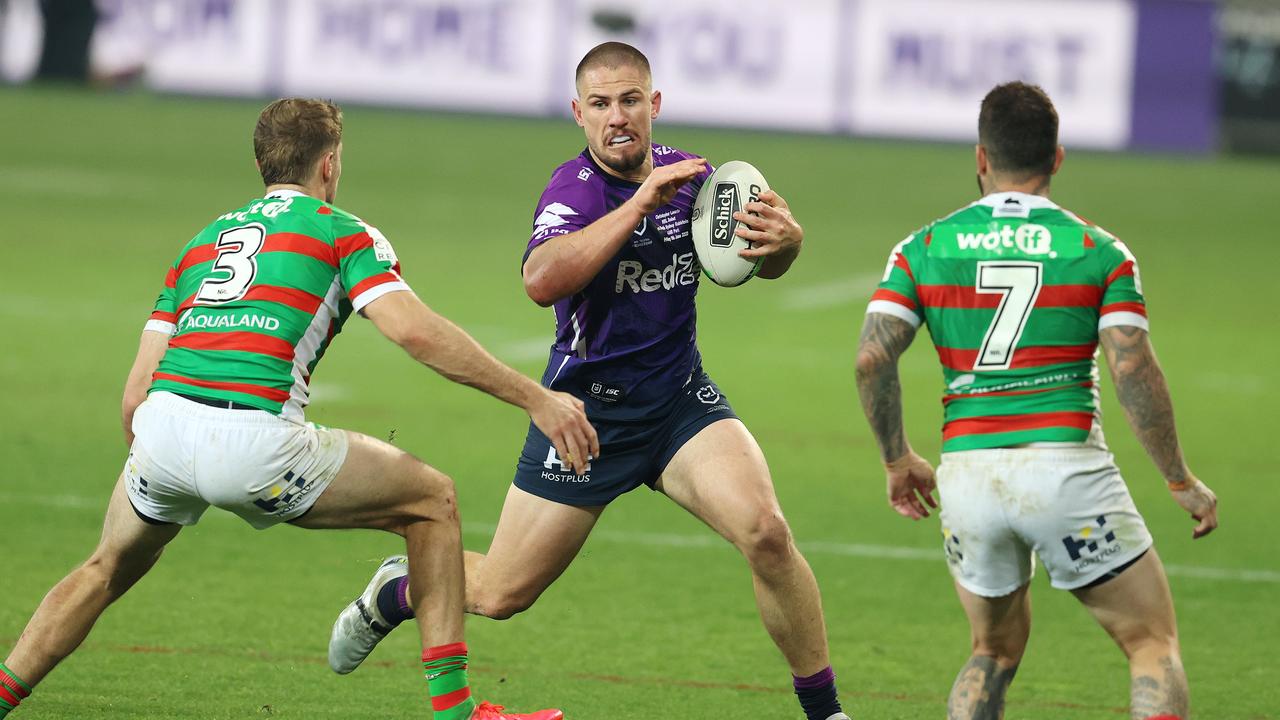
[632, 275]
[1030, 239]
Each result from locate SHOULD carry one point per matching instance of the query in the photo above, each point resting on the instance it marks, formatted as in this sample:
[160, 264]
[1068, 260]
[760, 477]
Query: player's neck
[315, 191]
[1038, 185]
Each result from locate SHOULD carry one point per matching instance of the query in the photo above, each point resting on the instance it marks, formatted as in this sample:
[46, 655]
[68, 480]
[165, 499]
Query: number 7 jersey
[1014, 290]
[254, 300]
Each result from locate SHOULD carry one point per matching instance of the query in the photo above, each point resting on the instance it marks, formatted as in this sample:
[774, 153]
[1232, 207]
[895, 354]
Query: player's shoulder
[578, 171]
[1098, 235]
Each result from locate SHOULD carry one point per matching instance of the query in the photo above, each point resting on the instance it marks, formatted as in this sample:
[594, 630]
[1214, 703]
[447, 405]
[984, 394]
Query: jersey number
[235, 266]
[1018, 284]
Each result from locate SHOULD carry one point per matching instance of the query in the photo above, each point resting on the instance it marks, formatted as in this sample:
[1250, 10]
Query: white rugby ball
[728, 190]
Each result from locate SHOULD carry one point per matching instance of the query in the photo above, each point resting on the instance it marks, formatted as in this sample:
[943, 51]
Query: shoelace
[487, 707]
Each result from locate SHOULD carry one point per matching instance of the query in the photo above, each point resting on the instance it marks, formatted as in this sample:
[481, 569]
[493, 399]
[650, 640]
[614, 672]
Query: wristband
[1179, 486]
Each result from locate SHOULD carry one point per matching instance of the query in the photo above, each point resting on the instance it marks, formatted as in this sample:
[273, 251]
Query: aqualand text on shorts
[1067, 505]
[187, 456]
[632, 453]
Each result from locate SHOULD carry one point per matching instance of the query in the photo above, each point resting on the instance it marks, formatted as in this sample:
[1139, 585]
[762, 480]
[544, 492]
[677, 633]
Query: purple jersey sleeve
[570, 202]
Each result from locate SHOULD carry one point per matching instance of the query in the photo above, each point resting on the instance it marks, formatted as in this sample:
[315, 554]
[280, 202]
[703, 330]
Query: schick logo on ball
[722, 222]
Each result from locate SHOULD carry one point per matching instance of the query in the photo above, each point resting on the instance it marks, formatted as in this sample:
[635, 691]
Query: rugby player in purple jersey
[611, 251]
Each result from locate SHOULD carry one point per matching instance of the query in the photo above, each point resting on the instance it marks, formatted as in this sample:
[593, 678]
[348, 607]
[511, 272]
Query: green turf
[99, 192]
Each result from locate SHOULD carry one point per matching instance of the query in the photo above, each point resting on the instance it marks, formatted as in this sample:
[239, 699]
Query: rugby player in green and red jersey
[1017, 294]
[213, 408]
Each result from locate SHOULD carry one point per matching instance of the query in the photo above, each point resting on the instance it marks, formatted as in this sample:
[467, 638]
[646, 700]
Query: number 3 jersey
[254, 300]
[1014, 290]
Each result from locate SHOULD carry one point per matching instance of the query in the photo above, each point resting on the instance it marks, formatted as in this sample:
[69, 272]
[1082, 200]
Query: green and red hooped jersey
[253, 301]
[1014, 290]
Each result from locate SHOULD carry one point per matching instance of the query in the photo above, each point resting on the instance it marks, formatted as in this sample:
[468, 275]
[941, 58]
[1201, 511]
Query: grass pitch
[656, 618]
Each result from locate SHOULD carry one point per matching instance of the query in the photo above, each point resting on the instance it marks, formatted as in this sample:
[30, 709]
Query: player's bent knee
[768, 543]
[1006, 643]
[435, 498]
[113, 574]
[1149, 645]
[503, 606]
[1006, 651]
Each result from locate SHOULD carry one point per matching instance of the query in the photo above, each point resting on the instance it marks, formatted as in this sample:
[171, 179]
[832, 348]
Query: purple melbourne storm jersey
[627, 339]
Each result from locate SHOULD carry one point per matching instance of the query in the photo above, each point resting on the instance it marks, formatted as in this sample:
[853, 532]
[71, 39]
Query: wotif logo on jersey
[1029, 239]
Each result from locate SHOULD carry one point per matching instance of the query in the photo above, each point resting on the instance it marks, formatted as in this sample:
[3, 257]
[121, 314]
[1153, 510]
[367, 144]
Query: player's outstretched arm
[442, 346]
[150, 351]
[909, 476]
[776, 235]
[564, 265]
[1144, 395]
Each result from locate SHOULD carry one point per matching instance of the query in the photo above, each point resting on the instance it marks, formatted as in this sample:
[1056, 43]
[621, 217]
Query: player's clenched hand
[563, 419]
[768, 224]
[1197, 499]
[663, 183]
[910, 479]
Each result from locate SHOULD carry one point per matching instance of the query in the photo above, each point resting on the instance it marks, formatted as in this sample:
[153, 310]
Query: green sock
[446, 669]
[12, 690]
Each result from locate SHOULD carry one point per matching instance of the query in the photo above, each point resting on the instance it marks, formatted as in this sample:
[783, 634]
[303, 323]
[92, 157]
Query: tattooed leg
[978, 693]
[1136, 609]
[1000, 628]
[1159, 686]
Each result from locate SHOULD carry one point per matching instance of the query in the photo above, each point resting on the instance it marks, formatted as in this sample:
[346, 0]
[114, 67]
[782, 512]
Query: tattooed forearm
[979, 690]
[1161, 692]
[1144, 394]
[884, 339]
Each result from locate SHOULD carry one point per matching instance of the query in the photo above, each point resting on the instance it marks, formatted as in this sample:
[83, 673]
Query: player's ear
[655, 101]
[980, 156]
[577, 111]
[1058, 156]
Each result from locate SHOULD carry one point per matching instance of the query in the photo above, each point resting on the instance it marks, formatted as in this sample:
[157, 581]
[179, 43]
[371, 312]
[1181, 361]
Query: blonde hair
[292, 134]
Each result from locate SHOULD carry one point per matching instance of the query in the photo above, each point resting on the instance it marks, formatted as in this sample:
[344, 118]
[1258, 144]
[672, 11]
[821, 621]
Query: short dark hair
[1019, 128]
[611, 55]
[292, 134]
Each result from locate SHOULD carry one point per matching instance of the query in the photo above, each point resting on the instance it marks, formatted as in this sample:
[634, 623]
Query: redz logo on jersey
[1089, 550]
[632, 275]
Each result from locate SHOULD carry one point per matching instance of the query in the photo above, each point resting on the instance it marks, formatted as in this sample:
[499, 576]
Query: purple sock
[817, 694]
[393, 601]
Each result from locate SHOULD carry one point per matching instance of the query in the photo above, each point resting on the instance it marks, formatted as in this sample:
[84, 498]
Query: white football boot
[839, 716]
[360, 627]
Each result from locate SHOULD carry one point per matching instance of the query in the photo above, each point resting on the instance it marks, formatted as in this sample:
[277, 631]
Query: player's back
[1014, 291]
[257, 296]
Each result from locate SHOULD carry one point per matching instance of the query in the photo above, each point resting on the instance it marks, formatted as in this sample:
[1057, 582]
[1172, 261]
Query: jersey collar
[1032, 202]
[285, 193]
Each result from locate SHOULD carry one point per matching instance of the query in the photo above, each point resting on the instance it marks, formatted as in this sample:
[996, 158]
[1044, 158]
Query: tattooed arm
[884, 339]
[1144, 394]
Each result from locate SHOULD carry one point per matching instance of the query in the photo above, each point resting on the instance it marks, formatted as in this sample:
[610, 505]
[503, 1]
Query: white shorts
[187, 456]
[1067, 505]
